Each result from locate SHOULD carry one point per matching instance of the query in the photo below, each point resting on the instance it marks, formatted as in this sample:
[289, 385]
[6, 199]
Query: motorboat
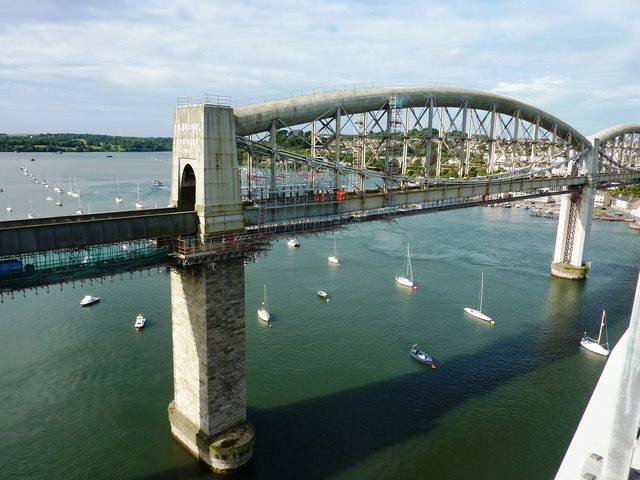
[293, 242]
[422, 356]
[140, 322]
[406, 278]
[157, 183]
[263, 311]
[324, 295]
[594, 345]
[478, 313]
[88, 300]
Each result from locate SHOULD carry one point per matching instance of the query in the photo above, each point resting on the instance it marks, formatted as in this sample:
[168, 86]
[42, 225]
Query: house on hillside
[602, 198]
[622, 202]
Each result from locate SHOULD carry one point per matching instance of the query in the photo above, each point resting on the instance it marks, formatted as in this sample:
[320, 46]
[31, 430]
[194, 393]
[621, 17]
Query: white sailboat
[9, 209]
[57, 187]
[594, 345]
[75, 194]
[478, 313]
[118, 197]
[79, 210]
[70, 191]
[59, 202]
[49, 199]
[31, 214]
[139, 203]
[263, 311]
[334, 258]
[406, 279]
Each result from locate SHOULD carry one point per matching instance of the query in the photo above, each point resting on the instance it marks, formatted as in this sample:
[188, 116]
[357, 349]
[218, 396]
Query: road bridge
[244, 174]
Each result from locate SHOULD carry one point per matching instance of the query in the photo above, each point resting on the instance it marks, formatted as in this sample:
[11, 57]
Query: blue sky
[118, 66]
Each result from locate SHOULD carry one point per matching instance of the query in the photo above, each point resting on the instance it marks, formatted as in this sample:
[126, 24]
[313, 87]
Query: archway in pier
[187, 193]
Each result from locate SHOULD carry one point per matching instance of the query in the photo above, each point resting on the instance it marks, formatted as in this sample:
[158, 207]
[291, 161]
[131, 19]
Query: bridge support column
[574, 226]
[208, 413]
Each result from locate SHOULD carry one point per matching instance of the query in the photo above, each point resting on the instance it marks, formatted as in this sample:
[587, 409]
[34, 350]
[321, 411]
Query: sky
[117, 67]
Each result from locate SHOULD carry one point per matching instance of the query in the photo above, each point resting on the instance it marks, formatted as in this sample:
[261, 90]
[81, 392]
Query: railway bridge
[242, 174]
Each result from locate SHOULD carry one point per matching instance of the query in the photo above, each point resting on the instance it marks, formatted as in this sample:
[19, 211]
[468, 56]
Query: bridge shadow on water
[369, 419]
[342, 430]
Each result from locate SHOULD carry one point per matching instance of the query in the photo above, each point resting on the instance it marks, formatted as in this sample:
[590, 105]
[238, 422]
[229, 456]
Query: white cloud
[143, 54]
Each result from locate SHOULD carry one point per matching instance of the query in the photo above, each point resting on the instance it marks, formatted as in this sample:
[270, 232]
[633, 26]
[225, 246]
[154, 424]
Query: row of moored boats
[406, 279]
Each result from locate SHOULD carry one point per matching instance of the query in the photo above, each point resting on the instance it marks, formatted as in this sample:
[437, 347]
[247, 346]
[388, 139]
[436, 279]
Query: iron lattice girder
[502, 132]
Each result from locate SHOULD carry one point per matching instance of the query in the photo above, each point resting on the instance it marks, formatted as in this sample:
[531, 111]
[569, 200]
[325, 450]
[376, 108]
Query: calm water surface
[332, 390]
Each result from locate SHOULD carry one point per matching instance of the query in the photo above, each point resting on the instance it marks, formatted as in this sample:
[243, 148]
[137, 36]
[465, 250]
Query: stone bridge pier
[208, 412]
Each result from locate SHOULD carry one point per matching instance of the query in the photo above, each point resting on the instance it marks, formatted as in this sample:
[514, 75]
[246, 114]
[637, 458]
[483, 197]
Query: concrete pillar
[574, 227]
[208, 413]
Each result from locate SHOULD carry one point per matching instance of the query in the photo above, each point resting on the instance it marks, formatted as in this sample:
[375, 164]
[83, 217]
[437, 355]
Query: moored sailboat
[334, 258]
[594, 345]
[263, 311]
[118, 197]
[478, 313]
[406, 279]
[139, 203]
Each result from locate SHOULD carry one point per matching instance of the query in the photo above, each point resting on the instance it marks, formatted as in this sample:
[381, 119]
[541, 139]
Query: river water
[332, 390]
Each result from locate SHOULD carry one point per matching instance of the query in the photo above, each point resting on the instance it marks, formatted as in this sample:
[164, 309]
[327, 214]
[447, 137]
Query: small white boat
[594, 345]
[293, 242]
[88, 300]
[407, 278]
[140, 322]
[324, 295]
[334, 258]
[478, 313]
[263, 311]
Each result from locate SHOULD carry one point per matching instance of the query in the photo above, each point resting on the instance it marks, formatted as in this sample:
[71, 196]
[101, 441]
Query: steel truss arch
[405, 135]
[619, 148]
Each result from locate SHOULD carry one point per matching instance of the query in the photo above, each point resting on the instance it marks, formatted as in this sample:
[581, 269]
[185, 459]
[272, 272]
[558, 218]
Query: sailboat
[70, 191]
[75, 194]
[58, 203]
[9, 209]
[478, 313]
[49, 199]
[57, 187]
[263, 311]
[594, 345]
[334, 258]
[31, 214]
[407, 278]
[79, 210]
[139, 203]
[118, 197]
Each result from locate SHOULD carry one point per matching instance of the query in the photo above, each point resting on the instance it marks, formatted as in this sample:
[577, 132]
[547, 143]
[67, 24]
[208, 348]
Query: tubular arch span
[256, 118]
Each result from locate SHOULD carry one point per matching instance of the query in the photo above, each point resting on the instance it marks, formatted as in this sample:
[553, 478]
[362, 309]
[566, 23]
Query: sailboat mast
[409, 269]
[481, 288]
[601, 326]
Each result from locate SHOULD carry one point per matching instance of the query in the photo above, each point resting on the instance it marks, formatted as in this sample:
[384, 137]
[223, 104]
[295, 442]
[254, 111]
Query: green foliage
[629, 190]
[86, 142]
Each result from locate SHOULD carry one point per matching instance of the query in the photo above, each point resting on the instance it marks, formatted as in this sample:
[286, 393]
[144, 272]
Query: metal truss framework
[392, 146]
